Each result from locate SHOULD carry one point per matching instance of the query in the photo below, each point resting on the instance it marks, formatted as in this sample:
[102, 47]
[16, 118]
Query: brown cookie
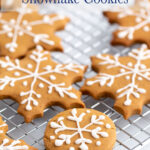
[36, 82]
[8, 144]
[80, 129]
[134, 23]
[24, 28]
[126, 79]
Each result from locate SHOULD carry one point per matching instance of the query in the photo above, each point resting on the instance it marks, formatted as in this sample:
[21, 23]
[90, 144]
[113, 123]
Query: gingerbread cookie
[8, 144]
[80, 129]
[134, 23]
[24, 29]
[36, 82]
[125, 79]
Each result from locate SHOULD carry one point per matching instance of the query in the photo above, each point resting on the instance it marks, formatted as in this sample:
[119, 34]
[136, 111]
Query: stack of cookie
[30, 77]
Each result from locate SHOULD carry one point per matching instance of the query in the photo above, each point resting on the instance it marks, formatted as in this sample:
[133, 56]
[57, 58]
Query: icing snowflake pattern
[140, 17]
[19, 26]
[40, 79]
[13, 146]
[132, 73]
[83, 142]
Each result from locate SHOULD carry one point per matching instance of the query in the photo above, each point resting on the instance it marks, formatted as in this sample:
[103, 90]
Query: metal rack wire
[86, 35]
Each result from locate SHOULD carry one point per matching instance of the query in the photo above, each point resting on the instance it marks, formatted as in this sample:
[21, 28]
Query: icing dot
[12, 84]
[144, 46]
[46, 18]
[52, 137]
[20, 33]
[143, 66]
[146, 29]
[17, 74]
[41, 85]
[29, 66]
[25, 22]
[98, 143]
[10, 34]
[138, 19]
[52, 77]
[101, 117]
[108, 126]
[38, 95]
[88, 111]
[25, 83]
[29, 28]
[122, 70]
[130, 64]
[6, 27]
[12, 21]
[127, 102]
[39, 48]
[127, 77]
[140, 78]
[71, 148]
[11, 50]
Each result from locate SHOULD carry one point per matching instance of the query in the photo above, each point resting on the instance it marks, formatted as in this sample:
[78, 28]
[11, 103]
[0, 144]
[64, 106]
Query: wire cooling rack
[86, 35]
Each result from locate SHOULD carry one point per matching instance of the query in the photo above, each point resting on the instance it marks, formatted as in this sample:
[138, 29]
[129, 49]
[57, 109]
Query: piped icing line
[1, 126]
[13, 145]
[24, 73]
[136, 72]
[83, 142]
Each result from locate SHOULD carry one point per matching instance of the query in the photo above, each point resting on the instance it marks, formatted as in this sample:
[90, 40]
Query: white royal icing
[98, 143]
[1, 126]
[13, 145]
[82, 141]
[142, 19]
[15, 28]
[26, 75]
[137, 72]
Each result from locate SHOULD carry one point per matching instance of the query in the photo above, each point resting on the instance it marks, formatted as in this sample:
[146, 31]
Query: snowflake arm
[13, 146]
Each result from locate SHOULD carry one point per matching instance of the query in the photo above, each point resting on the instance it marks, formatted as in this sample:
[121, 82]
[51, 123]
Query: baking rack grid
[87, 34]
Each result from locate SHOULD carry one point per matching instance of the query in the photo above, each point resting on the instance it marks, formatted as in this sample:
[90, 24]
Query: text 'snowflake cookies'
[134, 23]
[125, 79]
[8, 144]
[80, 129]
[36, 82]
[24, 28]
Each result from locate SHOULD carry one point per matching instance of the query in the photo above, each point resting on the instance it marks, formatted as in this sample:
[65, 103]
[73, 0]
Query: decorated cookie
[24, 29]
[125, 79]
[134, 23]
[8, 144]
[36, 82]
[80, 129]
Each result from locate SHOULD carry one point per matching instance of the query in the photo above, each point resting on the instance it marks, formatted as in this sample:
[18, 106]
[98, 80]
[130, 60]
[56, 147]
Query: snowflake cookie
[24, 28]
[36, 82]
[126, 79]
[80, 129]
[134, 23]
[8, 144]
